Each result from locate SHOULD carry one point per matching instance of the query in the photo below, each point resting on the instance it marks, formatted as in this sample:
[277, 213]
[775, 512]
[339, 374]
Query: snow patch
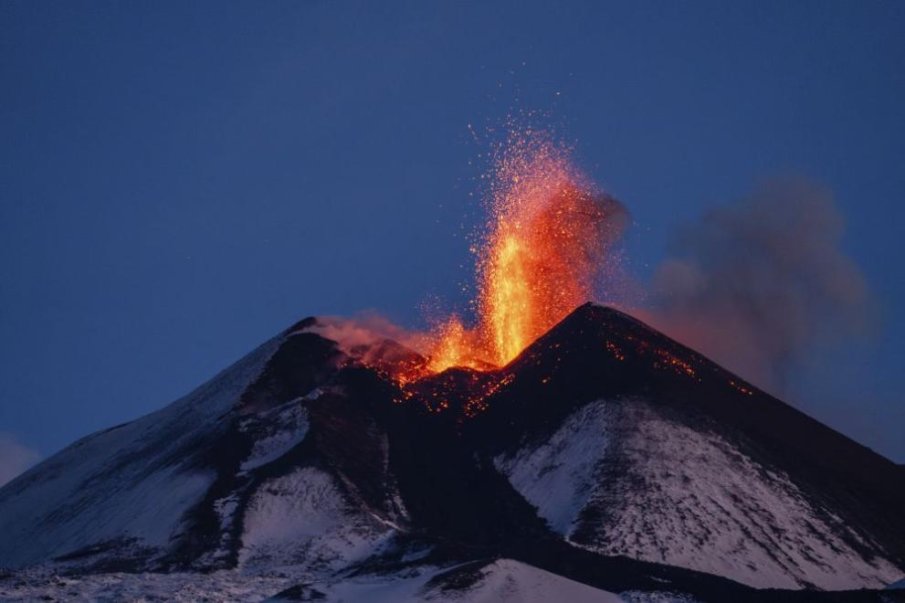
[136, 480]
[502, 581]
[40, 585]
[558, 476]
[507, 580]
[637, 596]
[621, 479]
[276, 433]
[303, 518]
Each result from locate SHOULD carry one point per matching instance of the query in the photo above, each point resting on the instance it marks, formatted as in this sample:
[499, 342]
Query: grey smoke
[15, 457]
[762, 284]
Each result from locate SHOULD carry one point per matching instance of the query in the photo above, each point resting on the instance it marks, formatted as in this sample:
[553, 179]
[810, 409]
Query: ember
[544, 246]
[546, 242]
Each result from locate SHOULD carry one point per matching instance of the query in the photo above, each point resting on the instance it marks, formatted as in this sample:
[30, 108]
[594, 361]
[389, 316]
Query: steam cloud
[14, 458]
[760, 285]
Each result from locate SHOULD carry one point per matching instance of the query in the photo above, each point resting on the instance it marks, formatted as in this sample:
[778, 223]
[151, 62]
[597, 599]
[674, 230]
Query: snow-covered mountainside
[206, 482]
[496, 581]
[605, 459]
[499, 581]
[621, 478]
[663, 456]
[126, 489]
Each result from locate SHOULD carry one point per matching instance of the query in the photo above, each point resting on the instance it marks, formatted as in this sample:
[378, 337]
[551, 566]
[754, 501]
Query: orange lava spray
[544, 246]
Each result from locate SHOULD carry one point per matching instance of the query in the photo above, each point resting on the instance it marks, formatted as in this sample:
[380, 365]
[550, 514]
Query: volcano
[605, 462]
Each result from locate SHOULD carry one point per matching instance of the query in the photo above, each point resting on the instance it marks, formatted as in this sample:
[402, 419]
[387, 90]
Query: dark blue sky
[179, 181]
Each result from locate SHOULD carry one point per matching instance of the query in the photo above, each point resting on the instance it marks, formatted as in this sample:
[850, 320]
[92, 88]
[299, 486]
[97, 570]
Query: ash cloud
[762, 284]
[14, 457]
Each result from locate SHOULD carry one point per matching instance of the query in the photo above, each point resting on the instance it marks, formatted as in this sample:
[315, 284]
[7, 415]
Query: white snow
[402, 587]
[637, 596]
[286, 427]
[558, 476]
[127, 481]
[302, 518]
[506, 580]
[690, 499]
[39, 585]
[502, 581]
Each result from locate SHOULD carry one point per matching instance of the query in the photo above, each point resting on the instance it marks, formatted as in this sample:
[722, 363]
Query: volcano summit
[605, 462]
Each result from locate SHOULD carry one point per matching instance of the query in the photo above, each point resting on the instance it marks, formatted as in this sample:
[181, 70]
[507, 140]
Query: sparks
[545, 244]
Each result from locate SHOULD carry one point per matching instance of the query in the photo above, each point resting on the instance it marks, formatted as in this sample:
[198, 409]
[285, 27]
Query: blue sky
[179, 181]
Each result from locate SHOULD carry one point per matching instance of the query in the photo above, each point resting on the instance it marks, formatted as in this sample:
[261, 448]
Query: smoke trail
[761, 284]
[14, 457]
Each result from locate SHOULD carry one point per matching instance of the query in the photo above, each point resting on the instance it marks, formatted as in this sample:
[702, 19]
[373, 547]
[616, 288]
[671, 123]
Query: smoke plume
[14, 457]
[762, 284]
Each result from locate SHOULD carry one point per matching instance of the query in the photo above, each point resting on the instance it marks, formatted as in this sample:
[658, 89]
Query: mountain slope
[498, 581]
[104, 490]
[199, 482]
[606, 454]
[715, 510]
[669, 458]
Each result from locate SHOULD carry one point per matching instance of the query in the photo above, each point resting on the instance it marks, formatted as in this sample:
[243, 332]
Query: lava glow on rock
[544, 247]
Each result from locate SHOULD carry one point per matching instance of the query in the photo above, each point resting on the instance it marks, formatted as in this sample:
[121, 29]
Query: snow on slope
[507, 580]
[621, 479]
[500, 581]
[178, 587]
[131, 483]
[302, 519]
[558, 476]
[275, 432]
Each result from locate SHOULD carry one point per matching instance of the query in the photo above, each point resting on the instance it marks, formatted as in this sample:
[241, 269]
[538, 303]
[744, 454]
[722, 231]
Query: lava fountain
[548, 240]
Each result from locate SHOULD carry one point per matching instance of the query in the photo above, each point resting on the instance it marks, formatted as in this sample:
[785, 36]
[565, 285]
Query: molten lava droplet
[507, 297]
[455, 346]
[544, 247]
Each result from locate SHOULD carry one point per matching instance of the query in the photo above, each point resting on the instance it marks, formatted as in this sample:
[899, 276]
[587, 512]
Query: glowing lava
[454, 345]
[543, 249]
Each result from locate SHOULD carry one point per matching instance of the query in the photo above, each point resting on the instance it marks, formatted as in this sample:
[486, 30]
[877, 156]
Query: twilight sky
[179, 181]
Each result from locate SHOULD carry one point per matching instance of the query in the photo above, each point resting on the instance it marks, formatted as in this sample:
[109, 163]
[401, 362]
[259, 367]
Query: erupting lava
[545, 245]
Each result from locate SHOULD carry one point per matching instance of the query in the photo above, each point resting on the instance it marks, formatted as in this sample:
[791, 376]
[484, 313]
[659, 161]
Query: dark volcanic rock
[606, 453]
